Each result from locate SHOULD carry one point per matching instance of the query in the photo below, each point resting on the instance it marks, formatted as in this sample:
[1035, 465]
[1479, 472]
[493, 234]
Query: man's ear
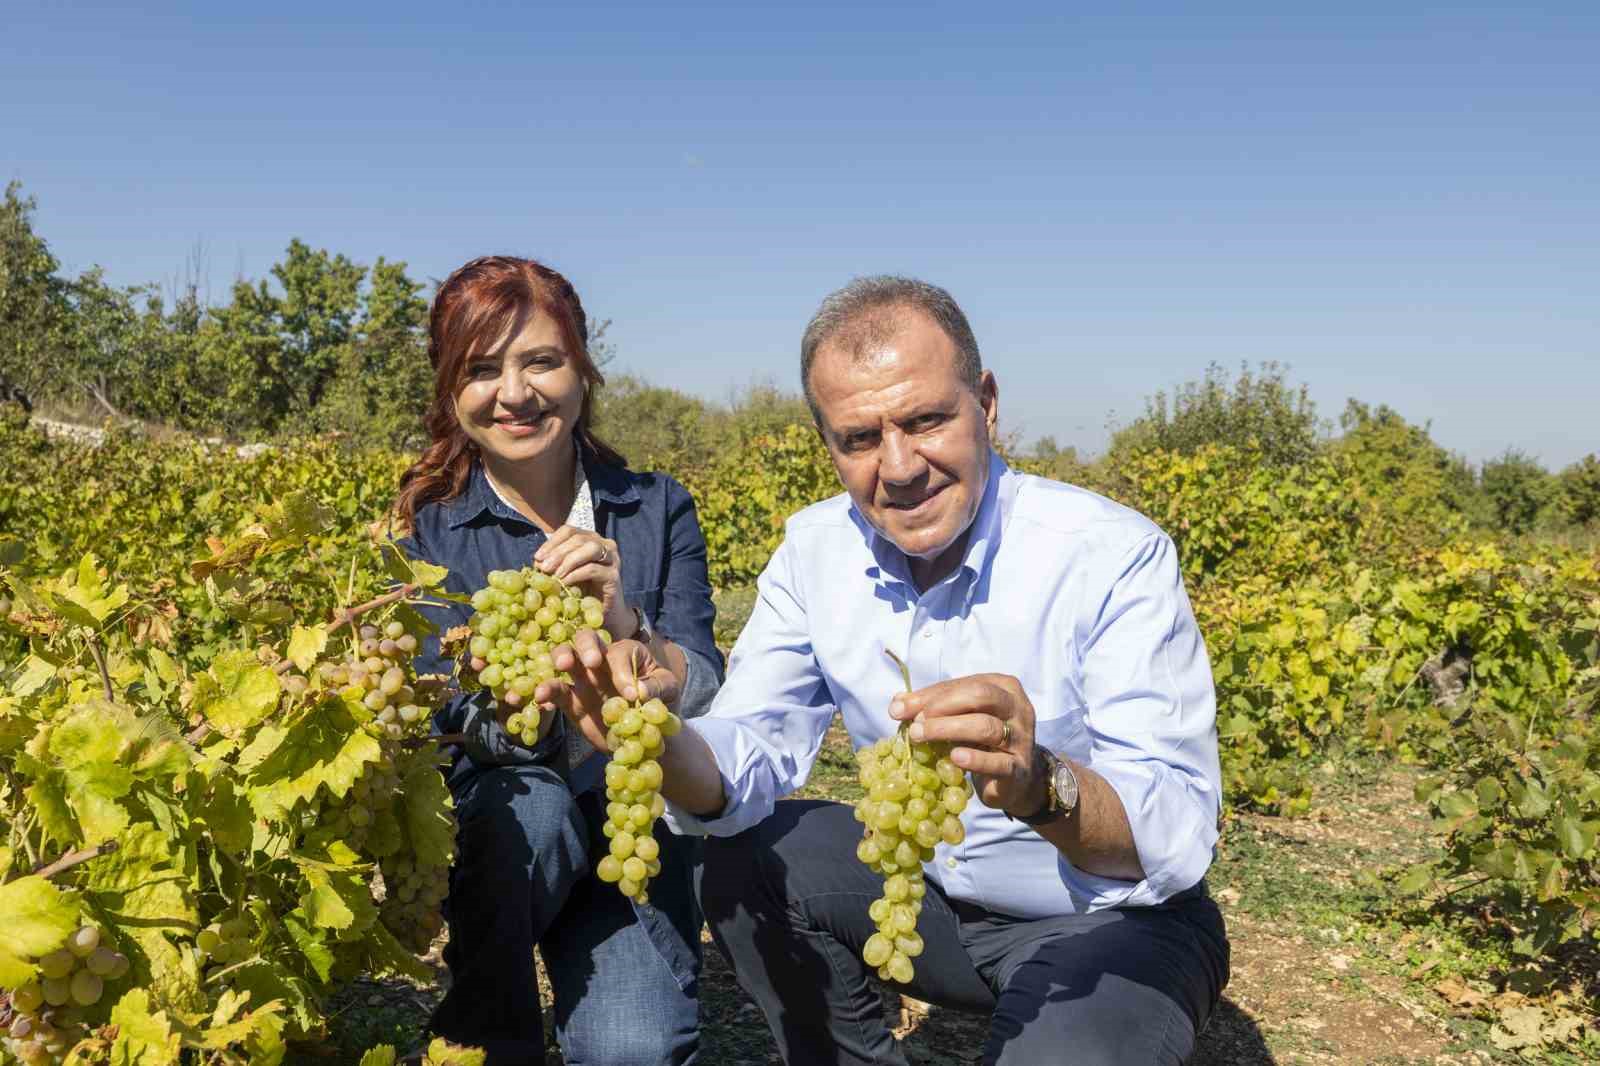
[989, 400]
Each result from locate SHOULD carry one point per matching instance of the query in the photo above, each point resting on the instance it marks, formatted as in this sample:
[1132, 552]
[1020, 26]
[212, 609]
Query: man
[1049, 640]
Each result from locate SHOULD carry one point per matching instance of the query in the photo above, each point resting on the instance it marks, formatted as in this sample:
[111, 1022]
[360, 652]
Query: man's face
[909, 439]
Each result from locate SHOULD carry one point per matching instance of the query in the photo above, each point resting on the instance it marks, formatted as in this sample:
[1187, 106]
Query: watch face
[1066, 786]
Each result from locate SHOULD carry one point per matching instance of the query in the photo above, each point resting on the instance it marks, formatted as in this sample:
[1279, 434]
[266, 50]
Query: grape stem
[74, 858]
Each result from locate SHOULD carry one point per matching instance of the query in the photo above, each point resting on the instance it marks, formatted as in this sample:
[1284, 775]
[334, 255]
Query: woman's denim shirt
[652, 519]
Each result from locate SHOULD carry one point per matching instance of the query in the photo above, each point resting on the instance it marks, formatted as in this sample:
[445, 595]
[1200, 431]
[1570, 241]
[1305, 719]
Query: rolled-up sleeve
[767, 722]
[1151, 716]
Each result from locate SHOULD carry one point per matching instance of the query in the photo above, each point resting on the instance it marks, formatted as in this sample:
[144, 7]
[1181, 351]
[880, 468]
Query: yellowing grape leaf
[382, 1055]
[236, 692]
[306, 644]
[86, 601]
[326, 746]
[443, 1053]
[143, 1038]
[36, 673]
[38, 919]
[227, 814]
[410, 571]
[424, 805]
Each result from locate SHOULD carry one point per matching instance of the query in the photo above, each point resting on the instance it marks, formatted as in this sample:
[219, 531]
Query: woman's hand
[624, 668]
[584, 558]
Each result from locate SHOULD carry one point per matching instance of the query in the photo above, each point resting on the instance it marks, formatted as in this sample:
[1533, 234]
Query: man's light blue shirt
[1079, 598]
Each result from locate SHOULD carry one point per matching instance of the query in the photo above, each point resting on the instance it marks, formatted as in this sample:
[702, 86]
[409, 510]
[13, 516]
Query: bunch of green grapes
[519, 617]
[370, 795]
[47, 1013]
[636, 736]
[413, 894]
[378, 672]
[914, 799]
[226, 942]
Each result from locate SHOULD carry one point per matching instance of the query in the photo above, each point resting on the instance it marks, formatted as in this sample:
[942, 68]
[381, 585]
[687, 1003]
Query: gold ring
[605, 553]
[1005, 734]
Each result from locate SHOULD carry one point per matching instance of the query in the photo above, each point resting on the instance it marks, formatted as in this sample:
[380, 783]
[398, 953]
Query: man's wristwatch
[1060, 790]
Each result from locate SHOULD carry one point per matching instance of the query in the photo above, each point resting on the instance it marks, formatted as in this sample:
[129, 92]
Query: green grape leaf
[317, 954]
[443, 1053]
[1415, 880]
[90, 749]
[292, 519]
[384, 955]
[36, 674]
[325, 747]
[425, 802]
[306, 644]
[48, 798]
[267, 980]
[410, 571]
[1575, 838]
[143, 1038]
[38, 919]
[143, 889]
[236, 692]
[323, 905]
[384, 837]
[227, 1028]
[226, 813]
[261, 747]
[382, 1055]
[86, 602]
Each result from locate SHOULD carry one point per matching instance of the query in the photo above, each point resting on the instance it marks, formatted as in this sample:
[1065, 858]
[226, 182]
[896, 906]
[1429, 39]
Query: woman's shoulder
[622, 481]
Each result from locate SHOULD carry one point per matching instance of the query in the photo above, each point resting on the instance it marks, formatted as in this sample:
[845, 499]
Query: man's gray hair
[867, 312]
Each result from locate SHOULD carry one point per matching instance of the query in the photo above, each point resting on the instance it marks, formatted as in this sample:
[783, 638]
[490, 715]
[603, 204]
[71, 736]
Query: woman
[515, 476]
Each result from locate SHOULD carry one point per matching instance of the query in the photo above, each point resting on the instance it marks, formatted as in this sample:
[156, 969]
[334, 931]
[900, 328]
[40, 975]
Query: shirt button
[950, 863]
[926, 633]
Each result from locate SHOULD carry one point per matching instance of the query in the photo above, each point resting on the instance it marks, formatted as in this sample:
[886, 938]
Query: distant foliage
[1258, 408]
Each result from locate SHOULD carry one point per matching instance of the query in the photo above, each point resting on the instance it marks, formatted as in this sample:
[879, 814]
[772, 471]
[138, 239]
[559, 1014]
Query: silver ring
[605, 553]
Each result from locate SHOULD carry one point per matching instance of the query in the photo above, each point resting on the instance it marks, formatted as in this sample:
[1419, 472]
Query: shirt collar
[607, 484]
[983, 541]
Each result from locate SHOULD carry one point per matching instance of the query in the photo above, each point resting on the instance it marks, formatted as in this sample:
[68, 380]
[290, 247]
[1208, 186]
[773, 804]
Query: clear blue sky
[1402, 201]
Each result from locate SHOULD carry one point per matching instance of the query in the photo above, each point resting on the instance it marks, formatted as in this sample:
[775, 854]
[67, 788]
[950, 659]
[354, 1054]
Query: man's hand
[990, 721]
[624, 668]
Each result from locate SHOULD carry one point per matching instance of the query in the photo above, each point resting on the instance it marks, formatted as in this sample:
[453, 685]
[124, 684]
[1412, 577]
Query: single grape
[86, 988]
[57, 964]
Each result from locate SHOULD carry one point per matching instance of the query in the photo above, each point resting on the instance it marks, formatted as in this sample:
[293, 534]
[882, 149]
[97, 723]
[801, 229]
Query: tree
[1516, 488]
[32, 301]
[1401, 466]
[1577, 493]
[1259, 407]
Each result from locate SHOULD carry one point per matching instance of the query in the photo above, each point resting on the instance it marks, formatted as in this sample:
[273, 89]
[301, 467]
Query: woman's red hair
[487, 299]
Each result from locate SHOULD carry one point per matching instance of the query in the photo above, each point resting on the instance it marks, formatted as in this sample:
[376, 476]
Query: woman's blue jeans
[624, 976]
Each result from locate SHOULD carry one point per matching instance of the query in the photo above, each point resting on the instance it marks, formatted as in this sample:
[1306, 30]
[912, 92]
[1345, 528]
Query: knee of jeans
[633, 1043]
[518, 810]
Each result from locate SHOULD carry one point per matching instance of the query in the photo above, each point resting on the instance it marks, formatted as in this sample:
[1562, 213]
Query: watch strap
[1052, 808]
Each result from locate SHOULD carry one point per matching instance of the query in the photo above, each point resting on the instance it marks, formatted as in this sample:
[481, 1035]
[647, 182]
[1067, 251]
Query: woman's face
[519, 400]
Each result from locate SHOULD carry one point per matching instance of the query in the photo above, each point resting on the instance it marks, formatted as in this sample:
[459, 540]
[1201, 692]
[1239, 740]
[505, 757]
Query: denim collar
[982, 542]
[610, 486]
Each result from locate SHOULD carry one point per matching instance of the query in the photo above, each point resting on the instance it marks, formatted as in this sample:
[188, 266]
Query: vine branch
[74, 858]
[99, 657]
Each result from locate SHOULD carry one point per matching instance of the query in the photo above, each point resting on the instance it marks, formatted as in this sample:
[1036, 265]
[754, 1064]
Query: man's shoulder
[1077, 517]
[824, 518]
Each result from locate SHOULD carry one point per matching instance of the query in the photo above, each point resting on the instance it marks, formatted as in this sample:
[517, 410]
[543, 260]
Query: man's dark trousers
[787, 904]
